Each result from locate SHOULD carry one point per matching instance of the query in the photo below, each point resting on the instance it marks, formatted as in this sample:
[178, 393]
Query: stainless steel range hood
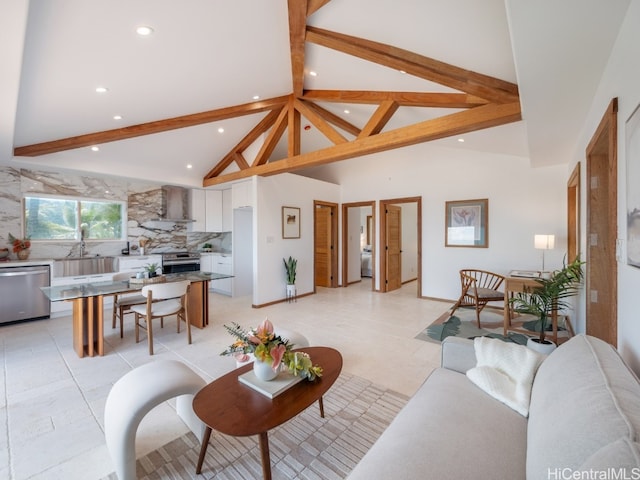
[175, 204]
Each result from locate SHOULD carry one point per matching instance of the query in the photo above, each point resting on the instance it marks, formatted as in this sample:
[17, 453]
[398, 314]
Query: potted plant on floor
[290, 266]
[549, 297]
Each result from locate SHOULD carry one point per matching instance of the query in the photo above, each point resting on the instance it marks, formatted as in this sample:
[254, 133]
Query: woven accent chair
[479, 287]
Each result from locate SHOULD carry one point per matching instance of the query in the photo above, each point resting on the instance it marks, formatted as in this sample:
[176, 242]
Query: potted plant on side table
[290, 266]
[549, 297]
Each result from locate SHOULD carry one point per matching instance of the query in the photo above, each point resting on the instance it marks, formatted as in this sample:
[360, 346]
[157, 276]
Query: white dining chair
[162, 300]
[123, 302]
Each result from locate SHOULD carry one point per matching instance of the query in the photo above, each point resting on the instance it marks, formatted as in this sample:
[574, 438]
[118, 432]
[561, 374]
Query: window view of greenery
[60, 219]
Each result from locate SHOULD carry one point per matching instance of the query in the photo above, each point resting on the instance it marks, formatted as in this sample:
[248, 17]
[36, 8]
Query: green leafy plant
[151, 268]
[271, 348]
[551, 294]
[290, 267]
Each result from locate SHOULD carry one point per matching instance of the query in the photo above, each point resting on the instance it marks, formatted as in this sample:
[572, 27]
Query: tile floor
[52, 402]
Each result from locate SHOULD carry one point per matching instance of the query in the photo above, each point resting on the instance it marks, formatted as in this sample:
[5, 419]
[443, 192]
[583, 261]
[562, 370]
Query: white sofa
[584, 416]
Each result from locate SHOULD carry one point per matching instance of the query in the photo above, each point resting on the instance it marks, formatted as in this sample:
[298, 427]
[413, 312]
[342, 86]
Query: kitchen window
[63, 218]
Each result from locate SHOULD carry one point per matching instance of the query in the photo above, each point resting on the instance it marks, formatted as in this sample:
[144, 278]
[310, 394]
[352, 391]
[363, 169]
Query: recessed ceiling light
[189, 165]
[313, 74]
[117, 117]
[256, 97]
[347, 111]
[144, 30]
[102, 89]
[461, 140]
[402, 71]
[221, 130]
[95, 149]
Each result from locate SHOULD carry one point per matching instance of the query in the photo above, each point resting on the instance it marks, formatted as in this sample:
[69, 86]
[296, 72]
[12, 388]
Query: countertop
[26, 263]
[49, 261]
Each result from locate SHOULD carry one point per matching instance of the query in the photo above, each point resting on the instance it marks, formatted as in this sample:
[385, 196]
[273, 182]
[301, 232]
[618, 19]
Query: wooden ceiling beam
[483, 86]
[379, 119]
[297, 30]
[149, 128]
[264, 125]
[293, 129]
[486, 116]
[272, 138]
[323, 126]
[240, 161]
[404, 99]
[334, 119]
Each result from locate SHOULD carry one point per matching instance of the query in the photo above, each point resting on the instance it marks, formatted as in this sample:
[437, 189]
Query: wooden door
[393, 247]
[601, 275]
[323, 245]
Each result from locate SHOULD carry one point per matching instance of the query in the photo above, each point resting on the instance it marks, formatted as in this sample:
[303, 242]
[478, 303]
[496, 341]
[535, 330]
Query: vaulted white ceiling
[206, 55]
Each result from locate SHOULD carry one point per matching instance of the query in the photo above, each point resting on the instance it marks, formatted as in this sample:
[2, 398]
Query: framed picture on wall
[466, 223]
[632, 128]
[290, 222]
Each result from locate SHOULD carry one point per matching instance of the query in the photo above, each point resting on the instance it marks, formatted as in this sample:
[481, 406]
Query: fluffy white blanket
[505, 371]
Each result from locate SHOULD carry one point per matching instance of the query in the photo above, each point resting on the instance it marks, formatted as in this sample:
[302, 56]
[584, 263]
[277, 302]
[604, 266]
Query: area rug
[463, 324]
[307, 446]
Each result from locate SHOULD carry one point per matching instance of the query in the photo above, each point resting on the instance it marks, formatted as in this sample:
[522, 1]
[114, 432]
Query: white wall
[621, 79]
[523, 201]
[270, 248]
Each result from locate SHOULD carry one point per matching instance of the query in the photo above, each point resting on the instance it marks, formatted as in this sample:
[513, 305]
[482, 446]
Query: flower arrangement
[270, 348]
[19, 244]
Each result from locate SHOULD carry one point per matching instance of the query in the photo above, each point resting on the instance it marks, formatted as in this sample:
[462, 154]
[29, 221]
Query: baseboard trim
[283, 300]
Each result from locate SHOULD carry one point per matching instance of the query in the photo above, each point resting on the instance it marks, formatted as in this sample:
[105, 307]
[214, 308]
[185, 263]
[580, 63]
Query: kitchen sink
[76, 266]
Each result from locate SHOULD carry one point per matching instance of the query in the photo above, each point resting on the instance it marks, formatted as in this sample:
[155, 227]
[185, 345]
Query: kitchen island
[88, 301]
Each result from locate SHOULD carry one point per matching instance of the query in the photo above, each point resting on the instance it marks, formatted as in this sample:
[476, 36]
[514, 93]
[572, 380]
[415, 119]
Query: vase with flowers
[271, 351]
[20, 246]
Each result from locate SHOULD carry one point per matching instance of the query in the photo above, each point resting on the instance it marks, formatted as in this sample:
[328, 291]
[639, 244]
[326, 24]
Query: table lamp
[544, 242]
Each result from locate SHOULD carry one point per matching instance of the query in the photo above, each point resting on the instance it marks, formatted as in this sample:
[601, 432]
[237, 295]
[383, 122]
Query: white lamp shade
[545, 242]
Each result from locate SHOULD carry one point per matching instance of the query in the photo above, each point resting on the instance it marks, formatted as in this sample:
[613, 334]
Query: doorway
[392, 249]
[358, 242]
[602, 275]
[325, 223]
[573, 214]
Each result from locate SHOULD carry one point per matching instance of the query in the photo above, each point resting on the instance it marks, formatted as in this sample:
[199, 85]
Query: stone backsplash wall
[144, 207]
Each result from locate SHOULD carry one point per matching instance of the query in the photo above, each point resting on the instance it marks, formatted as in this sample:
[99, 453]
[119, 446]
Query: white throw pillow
[505, 371]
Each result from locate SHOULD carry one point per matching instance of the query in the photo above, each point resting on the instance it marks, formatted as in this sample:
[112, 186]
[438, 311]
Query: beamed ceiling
[475, 102]
[389, 75]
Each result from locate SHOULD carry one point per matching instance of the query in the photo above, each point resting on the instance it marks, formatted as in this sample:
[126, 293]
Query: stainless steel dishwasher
[20, 294]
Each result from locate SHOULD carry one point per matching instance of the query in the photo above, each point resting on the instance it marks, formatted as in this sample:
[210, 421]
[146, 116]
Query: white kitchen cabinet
[206, 262]
[242, 194]
[136, 263]
[222, 264]
[213, 210]
[227, 210]
[207, 211]
[197, 211]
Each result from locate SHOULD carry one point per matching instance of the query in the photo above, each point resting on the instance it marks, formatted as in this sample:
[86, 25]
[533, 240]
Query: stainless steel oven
[178, 262]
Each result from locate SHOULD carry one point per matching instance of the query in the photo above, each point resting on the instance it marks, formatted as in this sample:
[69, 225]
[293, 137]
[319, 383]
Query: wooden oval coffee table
[232, 408]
